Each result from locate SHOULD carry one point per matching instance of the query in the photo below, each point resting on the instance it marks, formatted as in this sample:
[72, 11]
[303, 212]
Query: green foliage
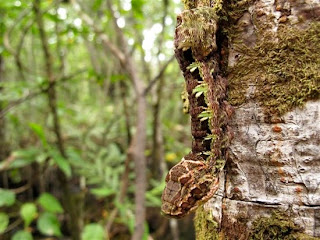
[22, 235]
[38, 129]
[93, 231]
[205, 115]
[48, 224]
[7, 198]
[4, 221]
[194, 66]
[49, 203]
[28, 212]
[91, 88]
[24, 157]
[62, 162]
[201, 89]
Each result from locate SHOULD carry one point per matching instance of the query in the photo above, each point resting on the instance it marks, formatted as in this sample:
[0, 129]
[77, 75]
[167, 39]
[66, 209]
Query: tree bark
[270, 186]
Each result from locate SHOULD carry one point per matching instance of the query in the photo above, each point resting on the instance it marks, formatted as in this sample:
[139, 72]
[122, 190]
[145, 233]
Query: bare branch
[160, 74]
[36, 93]
[97, 29]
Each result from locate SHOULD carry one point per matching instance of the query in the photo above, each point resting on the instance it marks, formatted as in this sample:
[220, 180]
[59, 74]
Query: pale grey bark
[274, 162]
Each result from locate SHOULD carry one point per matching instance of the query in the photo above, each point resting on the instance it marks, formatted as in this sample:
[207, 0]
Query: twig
[88, 20]
[36, 93]
[13, 225]
[6, 163]
[21, 189]
[156, 78]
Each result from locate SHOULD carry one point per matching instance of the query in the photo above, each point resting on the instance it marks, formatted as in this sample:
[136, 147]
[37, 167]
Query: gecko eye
[179, 20]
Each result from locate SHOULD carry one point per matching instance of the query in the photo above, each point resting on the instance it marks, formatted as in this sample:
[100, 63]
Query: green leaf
[49, 225]
[200, 89]
[153, 201]
[205, 115]
[7, 197]
[23, 158]
[93, 231]
[38, 130]
[4, 221]
[193, 66]
[50, 203]
[62, 163]
[28, 212]
[22, 235]
[102, 192]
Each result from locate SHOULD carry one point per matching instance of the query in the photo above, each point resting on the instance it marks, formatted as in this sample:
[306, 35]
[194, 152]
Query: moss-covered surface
[205, 226]
[286, 72]
[277, 227]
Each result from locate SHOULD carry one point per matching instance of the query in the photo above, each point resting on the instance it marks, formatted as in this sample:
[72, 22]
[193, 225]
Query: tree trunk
[269, 188]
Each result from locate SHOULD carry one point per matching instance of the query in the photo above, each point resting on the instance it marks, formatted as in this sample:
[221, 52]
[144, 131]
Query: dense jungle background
[90, 114]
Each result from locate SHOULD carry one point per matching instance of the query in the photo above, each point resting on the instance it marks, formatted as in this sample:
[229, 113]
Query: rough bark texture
[271, 181]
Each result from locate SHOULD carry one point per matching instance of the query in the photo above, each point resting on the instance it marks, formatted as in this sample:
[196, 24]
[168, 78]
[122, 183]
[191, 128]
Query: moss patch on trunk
[284, 69]
[205, 226]
[277, 226]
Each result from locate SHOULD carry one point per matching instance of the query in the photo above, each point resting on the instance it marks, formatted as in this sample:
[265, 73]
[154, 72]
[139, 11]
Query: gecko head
[188, 185]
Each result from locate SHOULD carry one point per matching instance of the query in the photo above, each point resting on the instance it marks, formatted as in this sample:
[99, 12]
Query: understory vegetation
[74, 77]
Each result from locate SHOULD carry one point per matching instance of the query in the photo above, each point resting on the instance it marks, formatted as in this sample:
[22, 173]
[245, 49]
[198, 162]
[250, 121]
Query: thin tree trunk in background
[270, 187]
[3, 145]
[158, 163]
[138, 145]
[71, 206]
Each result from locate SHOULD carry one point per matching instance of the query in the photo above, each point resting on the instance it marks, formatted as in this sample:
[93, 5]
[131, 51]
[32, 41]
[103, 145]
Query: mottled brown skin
[188, 184]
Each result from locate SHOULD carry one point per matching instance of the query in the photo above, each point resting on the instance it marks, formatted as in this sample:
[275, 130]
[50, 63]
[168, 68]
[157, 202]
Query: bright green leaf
[50, 203]
[38, 130]
[23, 157]
[93, 231]
[48, 224]
[7, 197]
[102, 192]
[62, 163]
[22, 235]
[28, 212]
[4, 221]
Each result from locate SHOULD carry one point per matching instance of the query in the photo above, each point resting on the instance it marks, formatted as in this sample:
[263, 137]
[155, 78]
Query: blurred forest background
[90, 119]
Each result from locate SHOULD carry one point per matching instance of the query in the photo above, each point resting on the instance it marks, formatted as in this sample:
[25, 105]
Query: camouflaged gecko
[194, 180]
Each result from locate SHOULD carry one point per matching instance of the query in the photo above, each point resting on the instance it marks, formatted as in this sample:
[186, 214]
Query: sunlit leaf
[48, 224]
[102, 192]
[50, 203]
[93, 231]
[4, 221]
[22, 235]
[28, 212]
[62, 163]
[23, 157]
[38, 129]
[7, 197]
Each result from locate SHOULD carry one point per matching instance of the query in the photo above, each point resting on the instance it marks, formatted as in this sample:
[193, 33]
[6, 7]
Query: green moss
[205, 226]
[197, 30]
[279, 227]
[285, 73]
